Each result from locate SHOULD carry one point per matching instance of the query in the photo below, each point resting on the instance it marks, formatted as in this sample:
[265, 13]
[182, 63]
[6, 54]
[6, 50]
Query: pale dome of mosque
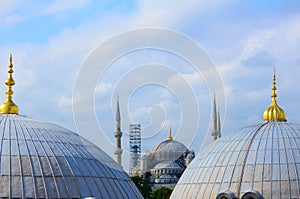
[261, 161]
[170, 145]
[43, 160]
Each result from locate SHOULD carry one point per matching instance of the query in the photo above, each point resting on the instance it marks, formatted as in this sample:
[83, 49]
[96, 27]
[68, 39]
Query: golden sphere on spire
[9, 107]
[170, 135]
[274, 112]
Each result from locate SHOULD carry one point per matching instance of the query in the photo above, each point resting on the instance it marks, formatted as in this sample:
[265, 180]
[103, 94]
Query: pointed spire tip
[170, 134]
[274, 112]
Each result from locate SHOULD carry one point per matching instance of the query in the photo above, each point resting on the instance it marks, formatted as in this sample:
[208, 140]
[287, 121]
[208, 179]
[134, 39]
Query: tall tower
[134, 146]
[118, 135]
[215, 121]
[219, 124]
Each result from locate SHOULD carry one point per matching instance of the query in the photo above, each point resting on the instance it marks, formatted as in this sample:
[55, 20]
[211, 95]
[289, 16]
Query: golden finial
[170, 135]
[9, 107]
[274, 112]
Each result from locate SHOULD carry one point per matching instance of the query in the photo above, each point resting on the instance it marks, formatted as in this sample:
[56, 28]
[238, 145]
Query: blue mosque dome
[43, 160]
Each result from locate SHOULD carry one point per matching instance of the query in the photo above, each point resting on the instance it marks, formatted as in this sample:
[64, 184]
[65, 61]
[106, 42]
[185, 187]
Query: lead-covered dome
[43, 160]
[170, 146]
[168, 150]
[263, 160]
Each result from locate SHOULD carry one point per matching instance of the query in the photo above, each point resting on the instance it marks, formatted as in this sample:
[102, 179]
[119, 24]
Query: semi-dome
[168, 165]
[43, 160]
[261, 161]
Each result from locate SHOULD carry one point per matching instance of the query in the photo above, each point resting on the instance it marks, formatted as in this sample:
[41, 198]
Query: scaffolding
[134, 146]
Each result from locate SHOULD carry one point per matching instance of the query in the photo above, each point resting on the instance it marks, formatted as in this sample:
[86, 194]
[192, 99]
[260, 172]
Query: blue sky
[50, 40]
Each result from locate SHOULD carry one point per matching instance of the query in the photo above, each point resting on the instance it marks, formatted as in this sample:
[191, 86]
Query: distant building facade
[164, 164]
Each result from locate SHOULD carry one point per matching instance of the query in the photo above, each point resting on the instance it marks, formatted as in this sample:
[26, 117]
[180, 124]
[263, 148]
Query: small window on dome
[226, 195]
[252, 195]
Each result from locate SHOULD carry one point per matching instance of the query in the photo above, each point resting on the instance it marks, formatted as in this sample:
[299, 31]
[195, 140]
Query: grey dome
[262, 161]
[43, 160]
[168, 150]
[170, 146]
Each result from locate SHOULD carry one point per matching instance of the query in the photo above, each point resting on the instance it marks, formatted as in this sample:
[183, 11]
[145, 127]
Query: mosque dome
[169, 149]
[43, 160]
[264, 158]
[261, 161]
[170, 145]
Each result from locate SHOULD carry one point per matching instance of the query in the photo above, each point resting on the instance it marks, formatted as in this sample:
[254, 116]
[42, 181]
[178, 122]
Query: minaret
[219, 124]
[214, 122]
[118, 136]
[8, 106]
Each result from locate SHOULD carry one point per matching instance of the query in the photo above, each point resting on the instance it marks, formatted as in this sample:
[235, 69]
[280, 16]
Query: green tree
[162, 193]
[142, 185]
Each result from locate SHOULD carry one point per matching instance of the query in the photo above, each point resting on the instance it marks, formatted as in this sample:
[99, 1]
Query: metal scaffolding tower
[134, 145]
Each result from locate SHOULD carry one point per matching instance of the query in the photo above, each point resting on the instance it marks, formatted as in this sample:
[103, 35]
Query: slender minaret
[118, 136]
[214, 122]
[219, 124]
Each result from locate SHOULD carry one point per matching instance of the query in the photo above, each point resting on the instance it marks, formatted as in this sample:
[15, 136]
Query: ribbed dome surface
[263, 159]
[43, 160]
[170, 146]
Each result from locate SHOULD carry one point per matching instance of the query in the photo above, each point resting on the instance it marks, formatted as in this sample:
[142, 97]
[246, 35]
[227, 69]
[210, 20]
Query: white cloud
[12, 19]
[175, 13]
[7, 6]
[60, 6]
[256, 43]
[64, 104]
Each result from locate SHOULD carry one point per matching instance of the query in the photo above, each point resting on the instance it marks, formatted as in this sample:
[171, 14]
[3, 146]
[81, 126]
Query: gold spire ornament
[274, 112]
[9, 107]
[170, 135]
